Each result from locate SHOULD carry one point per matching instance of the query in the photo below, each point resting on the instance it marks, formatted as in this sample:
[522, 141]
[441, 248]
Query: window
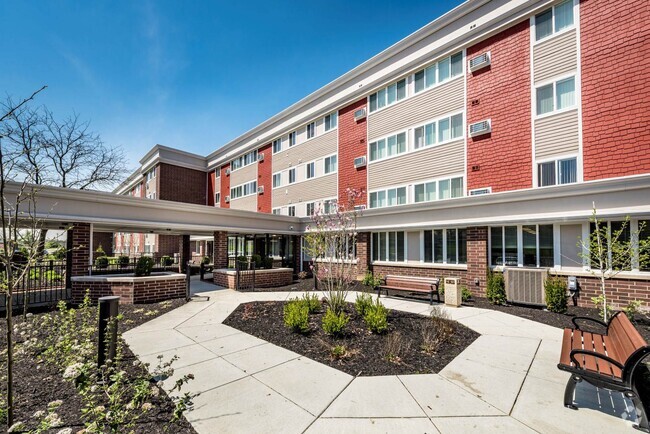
[277, 145]
[387, 96]
[310, 170]
[644, 243]
[277, 180]
[553, 20]
[330, 121]
[557, 172]
[439, 72]
[151, 195]
[217, 199]
[311, 130]
[447, 246]
[388, 147]
[217, 172]
[556, 96]
[311, 208]
[536, 246]
[330, 164]
[292, 139]
[390, 197]
[388, 246]
[243, 190]
[244, 160]
[448, 128]
[329, 206]
[447, 188]
[277, 211]
[292, 210]
[151, 174]
[292, 176]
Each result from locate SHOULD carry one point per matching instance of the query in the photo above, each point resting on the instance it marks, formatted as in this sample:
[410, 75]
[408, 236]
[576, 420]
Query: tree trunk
[41, 242]
[10, 349]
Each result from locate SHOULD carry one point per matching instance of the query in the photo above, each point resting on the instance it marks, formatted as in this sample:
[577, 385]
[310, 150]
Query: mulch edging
[265, 320]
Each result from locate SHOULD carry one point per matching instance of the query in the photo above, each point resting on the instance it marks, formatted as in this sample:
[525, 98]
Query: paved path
[506, 381]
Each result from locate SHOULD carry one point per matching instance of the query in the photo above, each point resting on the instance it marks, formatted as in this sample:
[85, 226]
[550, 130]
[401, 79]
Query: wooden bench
[605, 360]
[410, 284]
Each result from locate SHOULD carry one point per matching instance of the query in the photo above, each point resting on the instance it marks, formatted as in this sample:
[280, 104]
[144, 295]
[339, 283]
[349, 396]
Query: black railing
[127, 265]
[43, 283]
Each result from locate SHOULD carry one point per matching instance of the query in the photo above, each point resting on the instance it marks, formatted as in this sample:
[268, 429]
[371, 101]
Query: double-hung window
[217, 199]
[311, 130]
[277, 180]
[389, 246]
[291, 210]
[439, 72]
[292, 175]
[388, 147]
[556, 96]
[329, 206]
[387, 96]
[276, 211]
[330, 164]
[330, 121]
[310, 172]
[440, 131]
[277, 145]
[292, 138]
[311, 208]
[553, 20]
[390, 197]
[564, 171]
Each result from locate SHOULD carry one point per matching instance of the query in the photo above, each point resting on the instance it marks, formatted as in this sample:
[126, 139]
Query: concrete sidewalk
[506, 381]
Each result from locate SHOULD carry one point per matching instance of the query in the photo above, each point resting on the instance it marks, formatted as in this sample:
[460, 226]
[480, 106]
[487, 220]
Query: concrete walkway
[506, 381]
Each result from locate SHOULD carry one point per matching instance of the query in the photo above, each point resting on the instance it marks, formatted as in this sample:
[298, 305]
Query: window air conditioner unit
[359, 207]
[360, 114]
[227, 199]
[479, 62]
[260, 189]
[480, 128]
[479, 191]
[228, 171]
[260, 157]
[360, 162]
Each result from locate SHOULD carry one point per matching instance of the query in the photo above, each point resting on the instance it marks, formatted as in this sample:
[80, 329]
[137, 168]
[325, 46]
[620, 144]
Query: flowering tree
[331, 241]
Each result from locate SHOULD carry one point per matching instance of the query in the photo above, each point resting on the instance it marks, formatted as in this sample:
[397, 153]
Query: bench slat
[566, 347]
[588, 344]
[405, 289]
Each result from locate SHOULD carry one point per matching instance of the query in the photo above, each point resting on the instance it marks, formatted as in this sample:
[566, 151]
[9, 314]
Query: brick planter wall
[441, 273]
[131, 289]
[619, 291]
[263, 278]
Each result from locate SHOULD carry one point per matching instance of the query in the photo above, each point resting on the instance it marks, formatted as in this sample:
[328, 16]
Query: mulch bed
[36, 383]
[366, 351]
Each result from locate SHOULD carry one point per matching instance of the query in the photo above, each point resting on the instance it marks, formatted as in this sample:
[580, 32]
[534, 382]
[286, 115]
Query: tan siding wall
[447, 159]
[557, 134]
[320, 146]
[248, 203]
[556, 56]
[318, 188]
[419, 108]
[243, 175]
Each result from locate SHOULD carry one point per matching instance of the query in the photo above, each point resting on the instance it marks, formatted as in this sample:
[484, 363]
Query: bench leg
[640, 411]
[431, 298]
[568, 392]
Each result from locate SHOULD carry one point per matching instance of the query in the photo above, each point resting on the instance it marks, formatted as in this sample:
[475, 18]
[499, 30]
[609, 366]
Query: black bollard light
[188, 281]
[107, 345]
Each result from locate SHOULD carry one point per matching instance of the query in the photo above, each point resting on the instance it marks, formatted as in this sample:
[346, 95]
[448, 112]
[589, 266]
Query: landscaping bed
[38, 383]
[398, 351]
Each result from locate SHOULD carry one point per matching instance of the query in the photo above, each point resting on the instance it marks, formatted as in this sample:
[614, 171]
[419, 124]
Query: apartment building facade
[518, 100]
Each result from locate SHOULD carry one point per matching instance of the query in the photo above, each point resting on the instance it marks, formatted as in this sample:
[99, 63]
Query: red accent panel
[504, 157]
[352, 144]
[264, 175]
[615, 56]
[225, 186]
[211, 188]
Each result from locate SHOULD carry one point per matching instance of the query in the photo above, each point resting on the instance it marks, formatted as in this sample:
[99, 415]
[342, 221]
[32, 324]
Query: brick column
[79, 249]
[104, 239]
[363, 253]
[220, 254]
[184, 251]
[168, 244]
[297, 253]
[477, 259]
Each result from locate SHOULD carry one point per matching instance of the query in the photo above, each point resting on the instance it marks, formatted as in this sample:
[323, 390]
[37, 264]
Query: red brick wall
[263, 279]
[168, 244]
[394, 270]
[225, 186]
[145, 291]
[503, 159]
[477, 259]
[181, 184]
[619, 291]
[264, 178]
[615, 56]
[352, 144]
[220, 249]
[79, 245]
[211, 188]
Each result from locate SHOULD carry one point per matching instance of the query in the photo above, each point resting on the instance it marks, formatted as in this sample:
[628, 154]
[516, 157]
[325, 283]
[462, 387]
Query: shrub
[436, 331]
[333, 323]
[312, 302]
[166, 261]
[599, 303]
[123, 260]
[242, 259]
[144, 266]
[267, 263]
[363, 302]
[296, 316]
[100, 251]
[101, 262]
[496, 289]
[556, 300]
[394, 347]
[338, 352]
[632, 309]
[371, 280]
[205, 260]
[376, 317]
[466, 293]
[257, 259]
[302, 275]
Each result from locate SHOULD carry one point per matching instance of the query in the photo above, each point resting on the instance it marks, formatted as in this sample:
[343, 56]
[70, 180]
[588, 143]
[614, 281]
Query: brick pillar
[168, 244]
[297, 253]
[220, 249]
[184, 251]
[79, 253]
[104, 239]
[477, 259]
[363, 253]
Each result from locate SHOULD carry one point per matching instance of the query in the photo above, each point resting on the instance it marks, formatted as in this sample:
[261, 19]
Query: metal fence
[245, 277]
[43, 284]
[128, 264]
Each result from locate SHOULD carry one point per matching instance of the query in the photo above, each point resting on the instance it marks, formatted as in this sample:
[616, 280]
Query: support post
[188, 281]
[107, 343]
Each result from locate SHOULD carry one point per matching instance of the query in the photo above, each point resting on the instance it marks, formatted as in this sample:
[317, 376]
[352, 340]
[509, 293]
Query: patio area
[507, 380]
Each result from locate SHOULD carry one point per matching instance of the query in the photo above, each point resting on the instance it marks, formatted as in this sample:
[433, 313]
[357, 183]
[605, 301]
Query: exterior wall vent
[260, 157]
[360, 162]
[480, 128]
[359, 207]
[260, 189]
[479, 191]
[360, 114]
[525, 285]
[480, 61]
[227, 199]
[228, 171]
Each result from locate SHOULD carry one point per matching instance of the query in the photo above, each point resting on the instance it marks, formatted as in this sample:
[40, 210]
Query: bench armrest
[586, 318]
[594, 354]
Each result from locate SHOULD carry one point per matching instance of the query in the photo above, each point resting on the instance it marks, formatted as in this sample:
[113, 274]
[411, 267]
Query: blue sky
[191, 75]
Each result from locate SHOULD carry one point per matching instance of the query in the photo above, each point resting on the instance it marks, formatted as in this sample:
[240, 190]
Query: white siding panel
[419, 108]
[319, 146]
[447, 159]
[557, 134]
[318, 188]
[243, 175]
[556, 56]
[248, 203]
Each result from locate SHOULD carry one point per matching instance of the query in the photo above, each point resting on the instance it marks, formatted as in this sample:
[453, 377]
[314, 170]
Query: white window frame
[554, 81]
[437, 73]
[444, 246]
[385, 139]
[437, 181]
[556, 160]
[241, 160]
[289, 209]
[387, 245]
[217, 199]
[250, 185]
[386, 190]
[292, 138]
[328, 119]
[292, 170]
[384, 89]
[273, 178]
[310, 170]
[330, 157]
[553, 32]
[278, 142]
[311, 130]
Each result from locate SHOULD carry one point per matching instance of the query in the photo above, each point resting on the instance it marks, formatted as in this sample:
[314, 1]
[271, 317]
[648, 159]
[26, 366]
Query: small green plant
[257, 259]
[632, 309]
[371, 280]
[338, 352]
[296, 316]
[376, 317]
[144, 266]
[363, 303]
[436, 331]
[166, 261]
[267, 263]
[394, 347]
[100, 251]
[312, 302]
[101, 262]
[123, 260]
[496, 289]
[205, 260]
[302, 275]
[599, 302]
[333, 323]
[466, 294]
[556, 299]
